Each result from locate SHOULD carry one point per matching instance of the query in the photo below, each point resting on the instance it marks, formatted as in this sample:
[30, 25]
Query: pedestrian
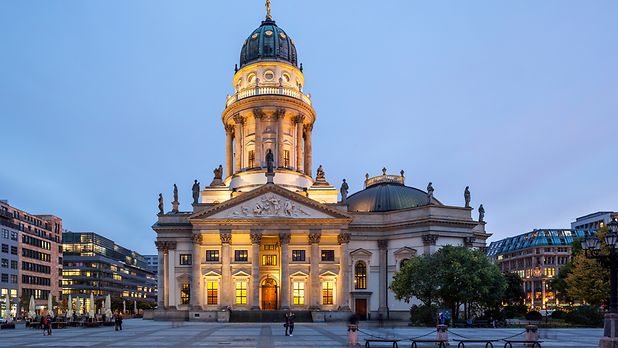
[49, 325]
[118, 322]
[289, 323]
[44, 324]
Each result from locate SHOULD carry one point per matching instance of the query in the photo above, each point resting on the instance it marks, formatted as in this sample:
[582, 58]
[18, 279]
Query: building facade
[594, 221]
[9, 260]
[97, 265]
[153, 263]
[537, 257]
[39, 252]
[271, 235]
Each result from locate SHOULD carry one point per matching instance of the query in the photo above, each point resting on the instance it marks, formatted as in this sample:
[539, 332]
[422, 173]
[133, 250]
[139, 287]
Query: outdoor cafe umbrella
[50, 305]
[134, 307]
[108, 306]
[31, 312]
[70, 309]
[91, 312]
[7, 312]
[78, 306]
[124, 306]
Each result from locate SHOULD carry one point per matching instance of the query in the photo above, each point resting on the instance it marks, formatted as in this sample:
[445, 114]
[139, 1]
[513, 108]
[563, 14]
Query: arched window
[360, 275]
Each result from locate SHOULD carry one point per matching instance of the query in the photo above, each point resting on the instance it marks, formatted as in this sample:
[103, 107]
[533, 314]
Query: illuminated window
[298, 255]
[212, 255]
[251, 78]
[185, 259]
[328, 255]
[270, 247]
[286, 158]
[286, 77]
[360, 275]
[185, 293]
[550, 271]
[241, 255]
[327, 293]
[251, 163]
[298, 293]
[269, 260]
[213, 293]
[241, 292]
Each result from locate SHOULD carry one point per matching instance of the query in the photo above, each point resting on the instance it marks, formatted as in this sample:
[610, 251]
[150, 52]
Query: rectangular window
[213, 293]
[269, 260]
[327, 293]
[212, 255]
[185, 293]
[4, 278]
[5, 248]
[251, 163]
[14, 250]
[298, 293]
[241, 255]
[298, 255]
[13, 278]
[13, 264]
[14, 235]
[5, 233]
[270, 247]
[5, 263]
[186, 259]
[328, 255]
[241, 292]
[286, 158]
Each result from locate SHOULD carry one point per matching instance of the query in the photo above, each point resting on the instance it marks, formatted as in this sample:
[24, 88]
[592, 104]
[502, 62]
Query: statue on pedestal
[430, 192]
[161, 204]
[218, 177]
[467, 196]
[481, 214]
[175, 202]
[319, 174]
[196, 191]
[344, 191]
[270, 161]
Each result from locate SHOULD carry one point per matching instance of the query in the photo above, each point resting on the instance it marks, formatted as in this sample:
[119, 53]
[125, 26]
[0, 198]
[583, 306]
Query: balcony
[268, 90]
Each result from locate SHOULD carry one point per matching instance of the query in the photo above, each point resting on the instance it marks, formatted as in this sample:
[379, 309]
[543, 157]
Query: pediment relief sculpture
[271, 206]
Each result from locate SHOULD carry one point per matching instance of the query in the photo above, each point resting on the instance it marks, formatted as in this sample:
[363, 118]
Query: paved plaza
[141, 333]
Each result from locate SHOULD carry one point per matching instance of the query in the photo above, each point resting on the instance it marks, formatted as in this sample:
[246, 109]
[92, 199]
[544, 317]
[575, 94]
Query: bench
[488, 343]
[459, 323]
[91, 324]
[441, 343]
[58, 325]
[535, 344]
[7, 326]
[481, 323]
[393, 341]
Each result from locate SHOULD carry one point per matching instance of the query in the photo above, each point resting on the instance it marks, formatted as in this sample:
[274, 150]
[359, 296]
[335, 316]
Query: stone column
[229, 150]
[258, 114]
[284, 238]
[226, 289]
[429, 241]
[344, 271]
[196, 277]
[256, 237]
[170, 288]
[161, 273]
[308, 130]
[239, 140]
[299, 142]
[383, 245]
[280, 117]
[314, 272]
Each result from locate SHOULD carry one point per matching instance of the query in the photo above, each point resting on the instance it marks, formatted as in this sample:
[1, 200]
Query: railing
[268, 90]
[398, 179]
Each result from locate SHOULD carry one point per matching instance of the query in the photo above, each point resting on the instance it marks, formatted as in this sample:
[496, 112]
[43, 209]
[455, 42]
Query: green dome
[387, 197]
[268, 42]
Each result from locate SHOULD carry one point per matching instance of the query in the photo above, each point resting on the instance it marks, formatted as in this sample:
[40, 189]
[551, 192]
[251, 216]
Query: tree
[588, 282]
[514, 293]
[417, 278]
[560, 284]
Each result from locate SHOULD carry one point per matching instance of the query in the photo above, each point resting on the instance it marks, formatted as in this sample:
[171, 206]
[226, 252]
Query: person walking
[289, 323]
[118, 322]
[49, 325]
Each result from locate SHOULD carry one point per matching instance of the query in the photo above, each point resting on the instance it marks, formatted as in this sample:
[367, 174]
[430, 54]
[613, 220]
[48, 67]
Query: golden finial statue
[268, 16]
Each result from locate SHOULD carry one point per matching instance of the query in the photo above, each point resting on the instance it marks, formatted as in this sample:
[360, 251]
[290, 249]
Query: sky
[104, 104]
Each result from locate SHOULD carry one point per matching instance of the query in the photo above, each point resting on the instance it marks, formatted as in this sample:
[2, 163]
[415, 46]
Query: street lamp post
[592, 249]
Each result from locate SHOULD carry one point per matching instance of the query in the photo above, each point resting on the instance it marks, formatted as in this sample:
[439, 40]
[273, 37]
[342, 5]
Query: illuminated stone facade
[250, 244]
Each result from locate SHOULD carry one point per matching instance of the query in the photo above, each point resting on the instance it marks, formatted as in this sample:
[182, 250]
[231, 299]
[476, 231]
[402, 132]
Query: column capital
[256, 236]
[197, 239]
[299, 118]
[225, 236]
[344, 237]
[314, 236]
[165, 246]
[285, 237]
[258, 113]
[279, 113]
[308, 127]
[238, 119]
[469, 241]
[229, 129]
[382, 244]
[430, 239]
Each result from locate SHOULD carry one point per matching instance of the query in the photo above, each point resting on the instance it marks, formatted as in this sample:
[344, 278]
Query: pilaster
[383, 283]
[314, 273]
[284, 239]
[256, 238]
[196, 277]
[344, 271]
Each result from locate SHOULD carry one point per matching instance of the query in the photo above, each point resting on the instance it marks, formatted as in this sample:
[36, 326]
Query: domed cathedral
[267, 235]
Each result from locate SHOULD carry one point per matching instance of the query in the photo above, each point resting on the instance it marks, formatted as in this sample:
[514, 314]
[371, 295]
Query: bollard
[442, 333]
[532, 334]
[352, 335]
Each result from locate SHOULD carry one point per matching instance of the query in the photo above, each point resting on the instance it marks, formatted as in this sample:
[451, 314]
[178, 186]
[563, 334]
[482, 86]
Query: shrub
[423, 315]
[558, 314]
[585, 315]
[517, 311]
[534, 315]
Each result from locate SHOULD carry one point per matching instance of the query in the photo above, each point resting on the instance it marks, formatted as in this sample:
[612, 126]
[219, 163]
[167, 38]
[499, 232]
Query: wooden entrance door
[361, 308]
[269, 297]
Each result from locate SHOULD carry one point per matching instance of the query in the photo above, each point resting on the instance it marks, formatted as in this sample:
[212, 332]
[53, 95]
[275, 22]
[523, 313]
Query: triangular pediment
[270, 201]
[405, 252]
[360, 252]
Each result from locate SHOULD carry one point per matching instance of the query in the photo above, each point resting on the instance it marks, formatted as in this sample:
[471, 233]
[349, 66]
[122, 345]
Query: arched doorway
[269, 294]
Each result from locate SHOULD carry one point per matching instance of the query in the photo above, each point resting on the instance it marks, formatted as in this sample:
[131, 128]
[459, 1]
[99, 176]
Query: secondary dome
[387, 197]
[268, 42]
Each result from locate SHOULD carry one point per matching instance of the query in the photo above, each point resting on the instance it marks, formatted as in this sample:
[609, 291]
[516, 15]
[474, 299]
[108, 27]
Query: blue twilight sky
[104, 104]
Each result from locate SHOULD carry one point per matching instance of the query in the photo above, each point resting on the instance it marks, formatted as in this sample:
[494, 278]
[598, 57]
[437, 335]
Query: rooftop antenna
[268, 16]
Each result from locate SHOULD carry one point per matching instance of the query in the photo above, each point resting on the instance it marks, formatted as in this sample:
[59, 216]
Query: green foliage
[423, 315]
[558, 314]
[514, 293]
[514, 311]
[560, 284]
[534, 315]
[585, 315]
[588, 281]
[417, 278]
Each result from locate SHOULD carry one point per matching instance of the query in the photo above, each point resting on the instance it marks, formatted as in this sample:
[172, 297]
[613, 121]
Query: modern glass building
[95, 264]
[537, 257]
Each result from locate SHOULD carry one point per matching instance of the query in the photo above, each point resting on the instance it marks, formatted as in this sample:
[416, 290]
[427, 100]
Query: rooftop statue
[320, 173]
[481, 214]
[270, 161]
[218, 172]
[430, 192]
[344, 191]
[467, 196]
[175, 202]
[161, 204]
[196, 191]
